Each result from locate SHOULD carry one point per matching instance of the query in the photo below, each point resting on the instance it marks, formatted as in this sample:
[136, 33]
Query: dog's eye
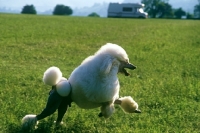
[127, 61]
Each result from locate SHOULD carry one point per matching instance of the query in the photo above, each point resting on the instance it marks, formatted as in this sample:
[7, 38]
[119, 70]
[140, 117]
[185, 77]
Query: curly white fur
[114, 50]
[53, 76]
[95, 81]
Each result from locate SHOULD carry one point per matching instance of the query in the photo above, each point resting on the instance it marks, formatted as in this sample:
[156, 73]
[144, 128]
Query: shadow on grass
[49, 127]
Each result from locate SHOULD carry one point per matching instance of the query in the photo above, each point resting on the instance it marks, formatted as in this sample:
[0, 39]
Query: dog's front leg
[107, 109]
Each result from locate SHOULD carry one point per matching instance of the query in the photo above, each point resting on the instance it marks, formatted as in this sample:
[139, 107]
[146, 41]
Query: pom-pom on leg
[29, 122]
[128, 104]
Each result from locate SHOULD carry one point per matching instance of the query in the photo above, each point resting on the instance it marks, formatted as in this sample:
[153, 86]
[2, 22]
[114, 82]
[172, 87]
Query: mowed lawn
[166, 83]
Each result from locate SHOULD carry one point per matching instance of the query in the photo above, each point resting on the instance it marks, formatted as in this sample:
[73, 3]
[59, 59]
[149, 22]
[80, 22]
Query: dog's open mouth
[125, 72]
[126, 65]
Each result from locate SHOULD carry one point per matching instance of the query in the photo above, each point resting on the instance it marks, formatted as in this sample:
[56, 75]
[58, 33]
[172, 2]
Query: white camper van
[126, 10]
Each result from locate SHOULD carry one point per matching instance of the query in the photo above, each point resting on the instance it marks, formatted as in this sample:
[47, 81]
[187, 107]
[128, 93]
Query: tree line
[162, 9]
[154, 8]
[58, 10]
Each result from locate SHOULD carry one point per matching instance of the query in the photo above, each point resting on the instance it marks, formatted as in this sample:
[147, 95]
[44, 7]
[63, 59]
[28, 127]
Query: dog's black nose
[130, 66]
[137, 111]
[134, 67]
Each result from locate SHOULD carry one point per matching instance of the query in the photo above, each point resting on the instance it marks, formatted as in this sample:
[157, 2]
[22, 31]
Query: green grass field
[166, 83]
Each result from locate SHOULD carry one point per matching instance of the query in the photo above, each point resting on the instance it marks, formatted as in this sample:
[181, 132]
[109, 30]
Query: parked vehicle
[126, 10]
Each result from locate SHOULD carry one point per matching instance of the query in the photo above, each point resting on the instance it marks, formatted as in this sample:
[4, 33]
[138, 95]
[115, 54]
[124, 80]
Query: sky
[43, 5]
[49, 4]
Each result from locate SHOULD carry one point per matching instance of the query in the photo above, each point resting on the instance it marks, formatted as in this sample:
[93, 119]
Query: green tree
[62, 10]
[197, 10]
[29, 9]
[164, 10]
[189, 16]
[151, 7]
[157, 8]
[179, 13]
[94, 14]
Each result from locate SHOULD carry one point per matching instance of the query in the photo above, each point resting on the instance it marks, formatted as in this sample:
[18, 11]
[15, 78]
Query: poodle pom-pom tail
[52, 76]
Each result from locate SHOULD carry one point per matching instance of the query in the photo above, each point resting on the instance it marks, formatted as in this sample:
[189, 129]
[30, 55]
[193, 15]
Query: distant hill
[100, 9]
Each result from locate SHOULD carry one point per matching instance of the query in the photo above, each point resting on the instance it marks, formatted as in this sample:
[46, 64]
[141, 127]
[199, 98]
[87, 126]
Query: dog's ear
[106, 65]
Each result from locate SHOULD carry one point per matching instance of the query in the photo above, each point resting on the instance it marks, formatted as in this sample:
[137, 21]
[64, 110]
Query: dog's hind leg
[66, 102]
[52, 105]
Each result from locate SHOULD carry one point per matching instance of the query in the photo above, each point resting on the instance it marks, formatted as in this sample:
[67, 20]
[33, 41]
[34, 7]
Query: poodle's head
[118, 53]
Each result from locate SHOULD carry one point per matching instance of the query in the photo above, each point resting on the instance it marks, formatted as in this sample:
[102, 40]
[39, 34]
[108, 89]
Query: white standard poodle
[92, 84]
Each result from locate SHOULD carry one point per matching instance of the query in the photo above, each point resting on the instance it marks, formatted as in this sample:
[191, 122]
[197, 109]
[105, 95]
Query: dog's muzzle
[130, 66]
[126, 65]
